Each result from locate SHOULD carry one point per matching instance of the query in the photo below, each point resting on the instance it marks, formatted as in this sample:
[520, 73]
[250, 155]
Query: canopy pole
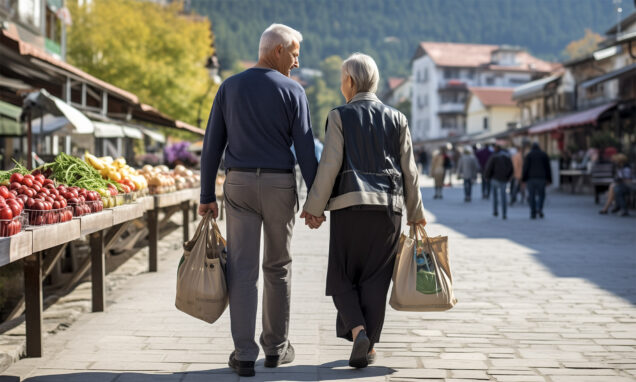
[29, 141]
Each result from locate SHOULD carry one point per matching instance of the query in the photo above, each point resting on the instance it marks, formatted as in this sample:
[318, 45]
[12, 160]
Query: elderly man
[257, 115]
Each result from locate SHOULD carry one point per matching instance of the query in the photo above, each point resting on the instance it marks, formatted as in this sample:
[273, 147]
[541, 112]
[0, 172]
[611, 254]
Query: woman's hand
[313, 221]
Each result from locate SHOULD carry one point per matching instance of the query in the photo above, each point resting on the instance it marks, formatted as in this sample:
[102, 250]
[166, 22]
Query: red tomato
[56, 205]
[45, 191]
[6, 213]
[13, 194]
[69, 215]
[17, 178]
[18, 227]
[50, 218]
[63, 203]
[29, 176]
[39, 220]
[40, 178]
[5, 228]
[36, 187]
[29, 203]
[27, 181]
[15, 185]
[4, 191]
[39, 205]
[48, 181]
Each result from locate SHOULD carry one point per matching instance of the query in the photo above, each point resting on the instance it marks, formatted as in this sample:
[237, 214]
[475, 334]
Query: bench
[602, 175]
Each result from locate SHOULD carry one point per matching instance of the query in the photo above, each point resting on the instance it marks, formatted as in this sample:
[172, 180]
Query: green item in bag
[426, 282]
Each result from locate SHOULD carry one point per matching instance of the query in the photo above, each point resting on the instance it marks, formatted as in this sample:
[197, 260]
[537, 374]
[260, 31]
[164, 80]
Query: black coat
[499, 167]
[536, 165]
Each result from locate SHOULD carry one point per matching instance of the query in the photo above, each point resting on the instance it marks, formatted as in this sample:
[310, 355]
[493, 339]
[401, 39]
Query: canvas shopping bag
[422, 280]
[201, 287]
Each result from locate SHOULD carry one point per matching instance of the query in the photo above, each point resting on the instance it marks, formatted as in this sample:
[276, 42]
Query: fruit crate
[10, 227]
[39, 217]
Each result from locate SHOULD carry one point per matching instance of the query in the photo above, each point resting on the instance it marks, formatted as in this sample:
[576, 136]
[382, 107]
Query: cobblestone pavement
[539, 300]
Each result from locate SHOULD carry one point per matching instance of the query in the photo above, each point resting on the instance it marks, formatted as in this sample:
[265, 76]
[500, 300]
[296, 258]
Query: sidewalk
[543, 300]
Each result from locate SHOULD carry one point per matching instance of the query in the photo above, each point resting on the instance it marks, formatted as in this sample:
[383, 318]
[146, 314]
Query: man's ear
[279, 50]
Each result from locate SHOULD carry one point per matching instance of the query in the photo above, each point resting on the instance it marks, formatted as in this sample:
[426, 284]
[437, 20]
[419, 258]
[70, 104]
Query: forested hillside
[389, 30]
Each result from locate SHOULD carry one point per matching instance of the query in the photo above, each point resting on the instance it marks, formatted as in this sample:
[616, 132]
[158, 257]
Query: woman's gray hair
[363, 71]
[277, 34]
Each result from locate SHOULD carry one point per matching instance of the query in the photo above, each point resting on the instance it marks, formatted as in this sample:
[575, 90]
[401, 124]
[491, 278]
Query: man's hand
[421, 222]
[204, 208]
[312, 221]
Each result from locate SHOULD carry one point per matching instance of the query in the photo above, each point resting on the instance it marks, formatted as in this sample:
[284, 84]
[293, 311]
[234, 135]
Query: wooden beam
[98, 271]
[185, 210]
[33, 302]
[153, 237]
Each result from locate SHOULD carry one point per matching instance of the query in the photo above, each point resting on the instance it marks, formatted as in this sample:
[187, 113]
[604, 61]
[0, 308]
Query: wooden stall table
[16, 247]
[168, 203]
[52, 237]
[94, 225]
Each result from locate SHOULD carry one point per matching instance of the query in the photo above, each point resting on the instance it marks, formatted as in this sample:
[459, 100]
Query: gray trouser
[254, 200]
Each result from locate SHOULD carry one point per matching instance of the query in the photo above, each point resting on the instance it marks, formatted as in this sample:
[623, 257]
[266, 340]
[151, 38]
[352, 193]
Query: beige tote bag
[422, 280]
[201, 287]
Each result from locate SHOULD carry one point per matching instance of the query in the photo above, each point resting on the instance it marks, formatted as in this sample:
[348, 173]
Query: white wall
[475, 113]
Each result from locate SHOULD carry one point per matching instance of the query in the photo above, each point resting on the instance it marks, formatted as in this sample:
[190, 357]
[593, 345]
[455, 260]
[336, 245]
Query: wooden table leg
[153, 238]
[185, 209]
[33, 304]
[98, 271]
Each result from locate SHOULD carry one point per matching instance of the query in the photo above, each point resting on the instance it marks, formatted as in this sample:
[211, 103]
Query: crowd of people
[515, 174]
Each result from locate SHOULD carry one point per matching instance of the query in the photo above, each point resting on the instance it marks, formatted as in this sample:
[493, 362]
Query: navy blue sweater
[256, 116]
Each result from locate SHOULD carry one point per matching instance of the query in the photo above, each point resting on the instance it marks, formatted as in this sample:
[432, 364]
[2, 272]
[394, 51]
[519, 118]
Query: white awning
[44, 102]
[154, 135]
[108, 130]
[132, 132]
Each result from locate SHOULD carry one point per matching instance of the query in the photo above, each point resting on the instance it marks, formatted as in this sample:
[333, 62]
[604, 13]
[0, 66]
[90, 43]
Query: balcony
[451, 108]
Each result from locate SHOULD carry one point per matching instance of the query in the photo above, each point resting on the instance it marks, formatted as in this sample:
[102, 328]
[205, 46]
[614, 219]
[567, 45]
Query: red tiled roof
[494, 96]
[394, 82]
[475, 55]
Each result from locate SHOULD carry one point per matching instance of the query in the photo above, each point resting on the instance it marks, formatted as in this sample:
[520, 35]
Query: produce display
[116, 170]
[71, 187]
[161, 180]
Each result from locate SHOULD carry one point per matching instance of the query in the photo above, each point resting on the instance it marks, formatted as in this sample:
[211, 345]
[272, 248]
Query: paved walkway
[546, 300]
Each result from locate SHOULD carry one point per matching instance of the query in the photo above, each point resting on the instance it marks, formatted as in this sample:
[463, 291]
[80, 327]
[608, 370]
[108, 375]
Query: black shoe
[242, 368]
[541, 215]
[371, 357]
[277, 360]
[359, 351]
[533, 216]
[602, 212]
[625, 213]
[495, 214]
[615, 210]
[504, 217]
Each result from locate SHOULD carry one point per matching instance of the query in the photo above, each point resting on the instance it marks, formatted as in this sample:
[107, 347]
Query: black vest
[371, 155]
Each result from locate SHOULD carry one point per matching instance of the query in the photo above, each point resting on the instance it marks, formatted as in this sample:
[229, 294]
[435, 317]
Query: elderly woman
[367, 178]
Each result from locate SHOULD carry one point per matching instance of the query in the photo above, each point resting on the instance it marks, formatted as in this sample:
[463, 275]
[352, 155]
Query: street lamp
[212, 65]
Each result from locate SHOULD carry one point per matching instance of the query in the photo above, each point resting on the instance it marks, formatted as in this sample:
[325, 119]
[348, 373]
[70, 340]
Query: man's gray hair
[363, 71]
[277, 34]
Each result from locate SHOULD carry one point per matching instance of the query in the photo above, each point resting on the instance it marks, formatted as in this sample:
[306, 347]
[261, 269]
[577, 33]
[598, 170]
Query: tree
[330, 67]
[321, 100]
[154, 51]
[583, 47]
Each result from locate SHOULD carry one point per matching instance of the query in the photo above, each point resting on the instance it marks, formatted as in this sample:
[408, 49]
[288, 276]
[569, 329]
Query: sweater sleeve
[214, 143]
[329, 167]
[410, 175]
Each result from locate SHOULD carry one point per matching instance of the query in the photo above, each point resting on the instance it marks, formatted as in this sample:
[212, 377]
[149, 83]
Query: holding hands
[312, 221]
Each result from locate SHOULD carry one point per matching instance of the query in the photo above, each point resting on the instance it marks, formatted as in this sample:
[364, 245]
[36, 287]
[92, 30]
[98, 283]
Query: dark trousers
[620, 193]
[515, 189]
[499, 189]
[536, 195]
[485, 187]
[362, 249]
[468, 188]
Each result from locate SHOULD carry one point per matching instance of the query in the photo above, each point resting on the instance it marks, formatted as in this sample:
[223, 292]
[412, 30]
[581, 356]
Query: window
[422, 76]
[451, 73]
[490, 81]
[422, 101]
[485, 123]
[517, 80]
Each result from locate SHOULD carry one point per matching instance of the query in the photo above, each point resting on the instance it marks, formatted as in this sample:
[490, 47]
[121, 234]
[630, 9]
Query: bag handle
[197, 233]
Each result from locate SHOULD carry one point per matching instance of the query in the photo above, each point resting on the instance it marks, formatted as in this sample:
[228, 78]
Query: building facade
[443, 73]
[490, 110]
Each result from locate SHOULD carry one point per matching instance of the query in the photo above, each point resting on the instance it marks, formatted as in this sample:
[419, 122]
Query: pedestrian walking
[516, 188]
[537, 174]
[467, 169]
[438, 171]
[423, 160]
[499, 171]
[483, 154]
[257, 115]
[368, 180]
